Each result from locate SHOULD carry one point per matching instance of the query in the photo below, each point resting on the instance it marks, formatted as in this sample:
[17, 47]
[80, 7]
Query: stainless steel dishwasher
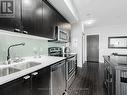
[58, 80]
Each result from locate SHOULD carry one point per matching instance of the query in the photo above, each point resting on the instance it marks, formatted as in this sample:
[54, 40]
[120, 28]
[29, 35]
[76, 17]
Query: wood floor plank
[89, 80]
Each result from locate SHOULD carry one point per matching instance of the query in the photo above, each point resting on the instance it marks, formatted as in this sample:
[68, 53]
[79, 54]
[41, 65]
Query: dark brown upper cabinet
[49, 20]
[39, 18]
[34, 17]
[63, 23]
[28, 15]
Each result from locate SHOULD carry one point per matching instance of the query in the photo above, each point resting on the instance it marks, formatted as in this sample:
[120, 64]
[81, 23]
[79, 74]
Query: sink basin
[7, 70]
[15, 68]
[26, 65]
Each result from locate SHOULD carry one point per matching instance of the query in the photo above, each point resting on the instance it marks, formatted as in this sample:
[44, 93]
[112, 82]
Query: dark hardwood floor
[89, 80]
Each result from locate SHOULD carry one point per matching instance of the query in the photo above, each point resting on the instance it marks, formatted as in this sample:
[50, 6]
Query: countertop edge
[19, 74]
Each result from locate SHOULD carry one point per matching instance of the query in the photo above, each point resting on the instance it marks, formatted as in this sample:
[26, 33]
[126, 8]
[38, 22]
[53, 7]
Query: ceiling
[65, 7]
[103, 12]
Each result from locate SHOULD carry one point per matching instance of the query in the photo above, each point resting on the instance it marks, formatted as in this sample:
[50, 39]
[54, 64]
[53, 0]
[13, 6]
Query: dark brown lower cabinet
[19, 86]
[41, 82]
[36, 83]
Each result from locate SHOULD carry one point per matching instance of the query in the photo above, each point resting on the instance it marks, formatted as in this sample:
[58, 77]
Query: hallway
[89, 80]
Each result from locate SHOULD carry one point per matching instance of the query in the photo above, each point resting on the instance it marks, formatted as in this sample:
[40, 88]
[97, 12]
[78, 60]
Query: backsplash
[31, 47]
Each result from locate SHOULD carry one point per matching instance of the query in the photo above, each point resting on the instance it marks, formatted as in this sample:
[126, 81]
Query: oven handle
[58, 65]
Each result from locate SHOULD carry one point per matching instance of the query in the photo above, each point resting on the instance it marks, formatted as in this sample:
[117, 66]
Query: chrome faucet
[8, 53]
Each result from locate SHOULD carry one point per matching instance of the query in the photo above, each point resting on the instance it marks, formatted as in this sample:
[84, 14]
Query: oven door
[70, 70]
[71, 66]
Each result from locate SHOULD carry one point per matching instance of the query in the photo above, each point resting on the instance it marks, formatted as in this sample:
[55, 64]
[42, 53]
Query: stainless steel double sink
[6, 70]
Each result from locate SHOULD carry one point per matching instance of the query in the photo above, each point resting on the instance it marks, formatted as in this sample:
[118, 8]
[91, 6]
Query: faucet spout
[8, 51]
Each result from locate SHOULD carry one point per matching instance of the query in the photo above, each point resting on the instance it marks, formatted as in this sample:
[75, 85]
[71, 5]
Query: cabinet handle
[35, 73]
[26, 77]
[17, 30]
[25, 32]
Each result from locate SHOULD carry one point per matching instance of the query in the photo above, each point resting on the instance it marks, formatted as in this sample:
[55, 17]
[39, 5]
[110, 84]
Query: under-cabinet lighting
[4, 32]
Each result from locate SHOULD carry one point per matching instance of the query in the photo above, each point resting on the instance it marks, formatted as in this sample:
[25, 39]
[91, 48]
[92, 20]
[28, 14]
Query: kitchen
[63, 47]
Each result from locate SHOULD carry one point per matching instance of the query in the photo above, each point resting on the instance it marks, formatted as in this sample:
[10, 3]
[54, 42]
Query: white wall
[104, 32]
[76, 41]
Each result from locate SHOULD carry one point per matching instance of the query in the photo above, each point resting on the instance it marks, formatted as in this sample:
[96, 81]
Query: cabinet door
[28, 16]
[32, 16]
[41, 82]
[49, 21]
[19, 86]
[39, 18]
[12, 20]
[61, 22]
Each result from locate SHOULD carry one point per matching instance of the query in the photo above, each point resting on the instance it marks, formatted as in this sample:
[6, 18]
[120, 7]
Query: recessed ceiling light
[88, 15]
[89, 22]
[27, 2]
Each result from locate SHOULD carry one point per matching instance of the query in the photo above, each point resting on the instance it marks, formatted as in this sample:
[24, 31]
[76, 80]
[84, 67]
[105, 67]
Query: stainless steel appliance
[60, 35]
[71, 63]
[58, 79]
[55, 51]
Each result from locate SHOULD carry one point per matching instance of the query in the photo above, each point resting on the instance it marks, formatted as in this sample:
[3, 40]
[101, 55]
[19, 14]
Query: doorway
[93, 48]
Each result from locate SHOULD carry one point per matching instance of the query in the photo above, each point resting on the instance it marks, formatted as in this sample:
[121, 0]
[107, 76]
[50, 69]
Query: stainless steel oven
[71, 63]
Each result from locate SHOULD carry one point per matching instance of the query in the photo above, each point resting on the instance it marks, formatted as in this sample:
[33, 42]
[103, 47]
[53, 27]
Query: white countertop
[44, 60]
